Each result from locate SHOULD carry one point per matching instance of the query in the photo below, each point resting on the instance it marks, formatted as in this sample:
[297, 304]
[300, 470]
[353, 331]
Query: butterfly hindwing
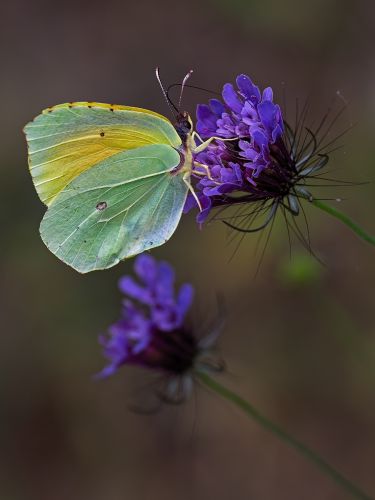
[129, 202]
[66, 140]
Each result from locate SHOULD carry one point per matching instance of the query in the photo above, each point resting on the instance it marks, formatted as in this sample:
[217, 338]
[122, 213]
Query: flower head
[251, 123]
[152, 331]
[256, 158]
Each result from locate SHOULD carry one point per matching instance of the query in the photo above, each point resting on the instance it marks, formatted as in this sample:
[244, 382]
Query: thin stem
[267, 424]
[346, 220]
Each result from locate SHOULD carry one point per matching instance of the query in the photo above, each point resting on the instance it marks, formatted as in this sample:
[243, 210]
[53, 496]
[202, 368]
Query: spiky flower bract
[153, 331]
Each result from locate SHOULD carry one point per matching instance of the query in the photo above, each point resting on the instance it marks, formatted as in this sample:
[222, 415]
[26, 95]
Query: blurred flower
[152, 331]
[260, 160]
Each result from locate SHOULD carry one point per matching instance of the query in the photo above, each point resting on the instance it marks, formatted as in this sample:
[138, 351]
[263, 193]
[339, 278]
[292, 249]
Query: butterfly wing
[127, 203]
[68, 139]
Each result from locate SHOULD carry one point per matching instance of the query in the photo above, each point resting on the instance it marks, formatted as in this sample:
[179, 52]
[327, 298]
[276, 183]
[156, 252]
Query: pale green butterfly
[114, 179]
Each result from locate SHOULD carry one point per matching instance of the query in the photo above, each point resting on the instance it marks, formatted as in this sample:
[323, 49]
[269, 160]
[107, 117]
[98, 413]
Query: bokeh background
[299, 338]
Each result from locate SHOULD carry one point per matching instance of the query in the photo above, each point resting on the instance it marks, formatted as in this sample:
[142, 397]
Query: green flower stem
[267, 424]
[345, 219]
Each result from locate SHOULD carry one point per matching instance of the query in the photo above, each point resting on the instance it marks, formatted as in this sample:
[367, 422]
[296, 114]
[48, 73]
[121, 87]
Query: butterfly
[114, 178]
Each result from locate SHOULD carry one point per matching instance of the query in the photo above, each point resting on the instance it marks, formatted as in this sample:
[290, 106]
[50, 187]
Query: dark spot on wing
[102, 134]
[102, 205]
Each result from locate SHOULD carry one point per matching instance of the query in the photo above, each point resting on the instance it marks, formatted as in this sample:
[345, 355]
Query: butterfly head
[183, 124]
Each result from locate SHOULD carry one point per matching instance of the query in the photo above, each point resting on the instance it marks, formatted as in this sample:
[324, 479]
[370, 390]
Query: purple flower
[253, 123]
[152, 318]
[152, 331]
[254, 157]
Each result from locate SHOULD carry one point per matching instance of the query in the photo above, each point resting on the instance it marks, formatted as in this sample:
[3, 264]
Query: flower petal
[267, 112]
[247, 88]
[206, 207]
[185, 299]
[217, 107]
[165, 282]
[130, 287]
[146, 268]
[231, 98]
[267, 94]
[206, 121]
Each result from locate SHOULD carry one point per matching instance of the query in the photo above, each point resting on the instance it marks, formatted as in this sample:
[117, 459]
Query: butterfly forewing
[68, 139]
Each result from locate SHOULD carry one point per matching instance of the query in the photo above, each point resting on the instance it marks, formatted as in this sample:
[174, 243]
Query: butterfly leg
[206, 172]
[206, 143]
[204, 167]
[186, 179]
[195, 134]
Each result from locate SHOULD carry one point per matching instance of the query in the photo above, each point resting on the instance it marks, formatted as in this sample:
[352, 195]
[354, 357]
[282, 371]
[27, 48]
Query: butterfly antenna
[171, 106]
[187, 76]
[173, 85]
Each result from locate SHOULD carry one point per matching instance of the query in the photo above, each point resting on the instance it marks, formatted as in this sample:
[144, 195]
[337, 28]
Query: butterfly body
[114, 178]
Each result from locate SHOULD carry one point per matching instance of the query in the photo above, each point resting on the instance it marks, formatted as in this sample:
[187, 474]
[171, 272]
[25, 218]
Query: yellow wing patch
[67, 139]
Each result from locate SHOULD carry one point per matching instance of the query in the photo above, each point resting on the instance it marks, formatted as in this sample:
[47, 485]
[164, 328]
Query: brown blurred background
[299, 339]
